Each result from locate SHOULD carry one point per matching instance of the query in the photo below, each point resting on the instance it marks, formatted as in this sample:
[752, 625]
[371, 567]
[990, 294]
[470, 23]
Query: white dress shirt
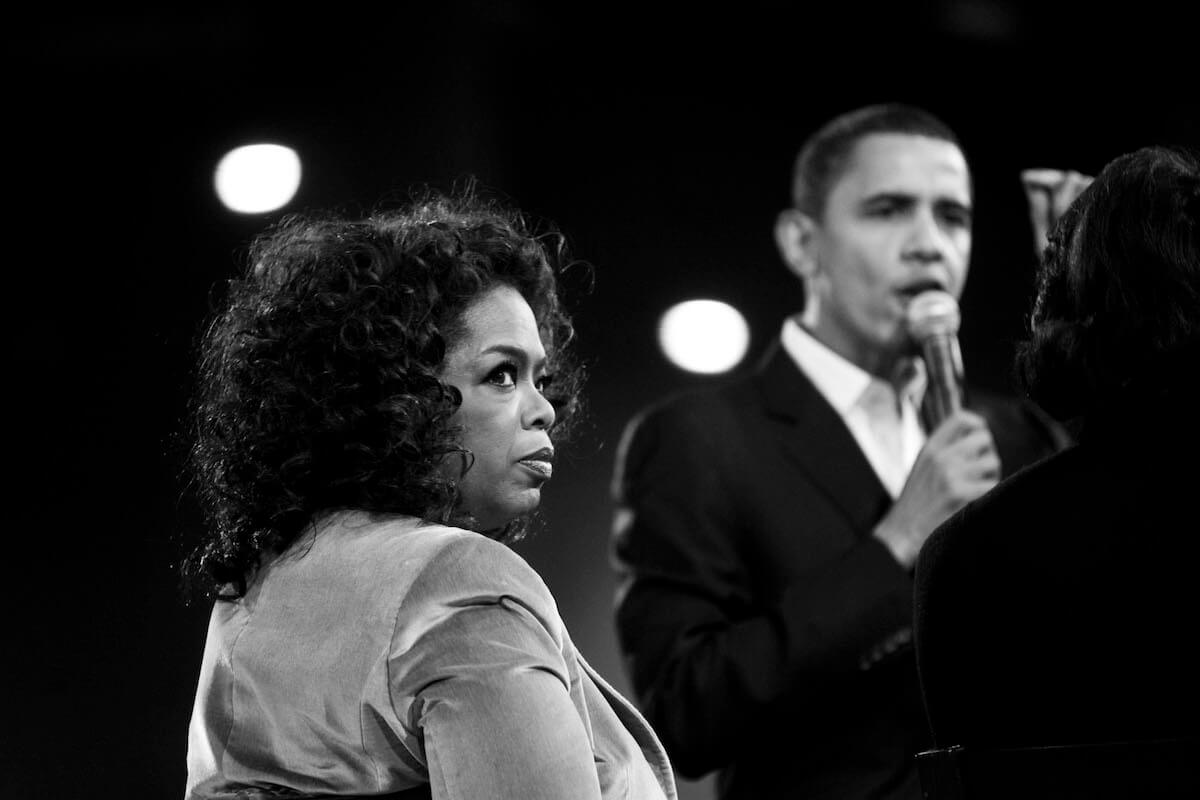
[883, 420]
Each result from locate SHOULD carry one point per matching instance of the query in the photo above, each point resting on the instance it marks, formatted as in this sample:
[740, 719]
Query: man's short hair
[822, 159]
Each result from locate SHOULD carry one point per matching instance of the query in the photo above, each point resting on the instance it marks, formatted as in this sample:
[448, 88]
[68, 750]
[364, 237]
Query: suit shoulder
[686, 430]
[695, 406]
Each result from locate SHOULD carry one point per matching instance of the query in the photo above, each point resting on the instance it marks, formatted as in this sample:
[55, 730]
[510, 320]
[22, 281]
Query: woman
[374, 425]
[1059, 608]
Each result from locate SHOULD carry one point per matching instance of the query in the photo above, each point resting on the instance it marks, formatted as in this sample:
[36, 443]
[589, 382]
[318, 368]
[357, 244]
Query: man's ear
[795, 236]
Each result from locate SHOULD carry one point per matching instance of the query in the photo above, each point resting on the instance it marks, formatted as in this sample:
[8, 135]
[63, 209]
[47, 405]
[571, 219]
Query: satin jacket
[398, 657]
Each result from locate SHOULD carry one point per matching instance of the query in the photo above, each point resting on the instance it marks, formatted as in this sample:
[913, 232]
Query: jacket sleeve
[479, 680]
[707, 658]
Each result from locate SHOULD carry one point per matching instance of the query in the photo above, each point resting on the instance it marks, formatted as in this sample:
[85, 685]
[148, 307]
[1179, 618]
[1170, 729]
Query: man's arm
[957, 464]
[707, 657]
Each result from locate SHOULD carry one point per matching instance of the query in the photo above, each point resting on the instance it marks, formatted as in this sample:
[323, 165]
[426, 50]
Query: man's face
[897, 221]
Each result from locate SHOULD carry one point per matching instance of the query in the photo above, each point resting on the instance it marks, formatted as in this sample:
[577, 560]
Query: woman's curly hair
[1117, 312]
[318, 383]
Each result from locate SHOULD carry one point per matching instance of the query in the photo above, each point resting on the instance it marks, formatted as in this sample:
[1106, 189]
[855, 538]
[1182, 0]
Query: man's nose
[926, 240]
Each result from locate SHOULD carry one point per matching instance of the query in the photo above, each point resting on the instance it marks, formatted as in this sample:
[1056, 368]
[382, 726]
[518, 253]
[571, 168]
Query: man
[766, 531]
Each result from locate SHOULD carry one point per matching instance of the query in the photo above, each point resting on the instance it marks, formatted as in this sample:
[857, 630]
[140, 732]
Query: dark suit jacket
[1061, 608]
[766, 631]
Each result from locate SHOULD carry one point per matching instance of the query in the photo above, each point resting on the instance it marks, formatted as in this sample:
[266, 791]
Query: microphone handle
[943, 362]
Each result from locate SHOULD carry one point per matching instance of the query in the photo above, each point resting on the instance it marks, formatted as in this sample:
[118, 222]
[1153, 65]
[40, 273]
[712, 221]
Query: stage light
[705, 336]
[256, 178]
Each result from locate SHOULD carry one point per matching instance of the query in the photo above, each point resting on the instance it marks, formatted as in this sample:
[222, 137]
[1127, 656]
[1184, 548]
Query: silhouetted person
[1060, 608]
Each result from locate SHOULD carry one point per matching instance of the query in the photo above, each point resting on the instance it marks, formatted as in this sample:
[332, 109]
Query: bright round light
[257, 178]
[705, 336]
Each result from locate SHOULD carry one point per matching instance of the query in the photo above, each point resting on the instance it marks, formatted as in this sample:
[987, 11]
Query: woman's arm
[478, 675]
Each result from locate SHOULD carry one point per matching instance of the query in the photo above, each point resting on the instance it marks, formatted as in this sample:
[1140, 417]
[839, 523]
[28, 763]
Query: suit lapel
[818, 441]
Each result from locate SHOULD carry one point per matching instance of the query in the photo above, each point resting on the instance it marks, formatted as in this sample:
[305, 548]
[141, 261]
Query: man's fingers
[987, 466]
[1050, 193]
[955, 426]
[975, 444]
[1042, 177]
[1071, 186]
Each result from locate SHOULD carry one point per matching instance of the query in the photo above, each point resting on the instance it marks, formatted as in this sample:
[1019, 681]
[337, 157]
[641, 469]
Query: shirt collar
[841, 382]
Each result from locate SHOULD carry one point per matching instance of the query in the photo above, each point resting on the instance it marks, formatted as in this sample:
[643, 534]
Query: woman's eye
[543, 383]
[503, 375]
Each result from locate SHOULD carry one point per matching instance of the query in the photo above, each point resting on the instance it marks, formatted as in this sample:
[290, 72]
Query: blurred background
[659, 138]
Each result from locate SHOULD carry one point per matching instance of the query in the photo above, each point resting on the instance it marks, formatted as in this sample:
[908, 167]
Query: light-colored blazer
[377, 656]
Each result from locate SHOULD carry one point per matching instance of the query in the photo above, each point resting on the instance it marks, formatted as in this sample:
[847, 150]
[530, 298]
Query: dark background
[658, 137]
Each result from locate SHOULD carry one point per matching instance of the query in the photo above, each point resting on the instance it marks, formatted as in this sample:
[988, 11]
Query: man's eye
[883, 211]
[954, 214]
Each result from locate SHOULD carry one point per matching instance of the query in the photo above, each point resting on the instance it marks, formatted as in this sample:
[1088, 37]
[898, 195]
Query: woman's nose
[538, 412]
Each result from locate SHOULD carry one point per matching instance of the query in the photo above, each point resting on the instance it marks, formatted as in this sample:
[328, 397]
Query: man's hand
[1050, 192]
[958, 464]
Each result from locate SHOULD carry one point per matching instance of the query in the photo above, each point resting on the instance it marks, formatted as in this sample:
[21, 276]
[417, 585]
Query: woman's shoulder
[1063, 475]
[1017, 513]
[473, 588]
[445, 565]
[475, 559]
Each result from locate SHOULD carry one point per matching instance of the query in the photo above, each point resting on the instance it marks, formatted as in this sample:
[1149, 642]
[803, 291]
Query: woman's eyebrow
[515, 352]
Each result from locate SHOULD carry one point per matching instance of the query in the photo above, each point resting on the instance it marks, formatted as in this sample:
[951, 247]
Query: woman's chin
[517, 509]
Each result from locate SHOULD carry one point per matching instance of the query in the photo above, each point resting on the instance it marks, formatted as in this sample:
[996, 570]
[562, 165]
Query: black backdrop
[659, 138]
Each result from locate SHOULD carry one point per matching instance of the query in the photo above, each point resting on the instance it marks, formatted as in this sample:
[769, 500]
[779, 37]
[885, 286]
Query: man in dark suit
[766, 530]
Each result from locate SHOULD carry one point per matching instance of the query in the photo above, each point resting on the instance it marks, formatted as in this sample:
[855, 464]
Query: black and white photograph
[663, 401]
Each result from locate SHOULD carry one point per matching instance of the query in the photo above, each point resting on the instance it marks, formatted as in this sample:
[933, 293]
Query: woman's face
[498, 364]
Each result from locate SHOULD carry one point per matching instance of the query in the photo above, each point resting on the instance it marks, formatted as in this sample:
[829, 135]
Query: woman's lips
[540, 462]
[543, 468]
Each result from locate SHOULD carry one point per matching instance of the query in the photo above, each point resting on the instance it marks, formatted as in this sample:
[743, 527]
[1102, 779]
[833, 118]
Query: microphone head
[932, 313]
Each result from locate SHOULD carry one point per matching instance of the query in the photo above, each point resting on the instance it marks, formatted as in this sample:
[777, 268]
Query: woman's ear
[795, 238]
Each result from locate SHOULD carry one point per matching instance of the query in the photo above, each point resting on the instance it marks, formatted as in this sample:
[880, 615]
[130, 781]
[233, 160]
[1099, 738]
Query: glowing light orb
[256, 178]
[705, 336]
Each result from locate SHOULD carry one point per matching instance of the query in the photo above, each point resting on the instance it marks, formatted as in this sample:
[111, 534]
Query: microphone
[932, 318]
